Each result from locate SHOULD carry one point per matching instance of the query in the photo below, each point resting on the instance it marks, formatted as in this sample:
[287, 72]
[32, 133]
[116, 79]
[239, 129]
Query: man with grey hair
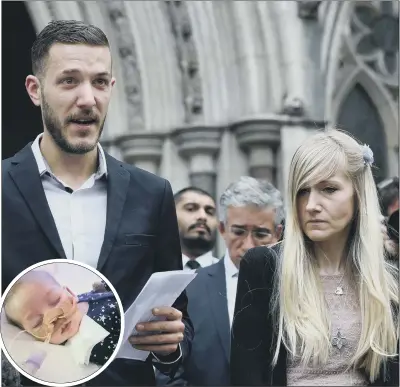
[251, 214]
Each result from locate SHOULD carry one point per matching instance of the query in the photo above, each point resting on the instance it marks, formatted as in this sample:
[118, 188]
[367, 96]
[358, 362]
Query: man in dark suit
[251, 214]
[65, 197]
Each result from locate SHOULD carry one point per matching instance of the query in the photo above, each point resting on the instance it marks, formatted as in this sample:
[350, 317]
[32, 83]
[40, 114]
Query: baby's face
[36, 299]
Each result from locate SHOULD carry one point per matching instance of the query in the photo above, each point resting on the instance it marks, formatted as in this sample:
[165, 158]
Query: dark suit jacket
[253, 332]
[208, 364]
[141, 237]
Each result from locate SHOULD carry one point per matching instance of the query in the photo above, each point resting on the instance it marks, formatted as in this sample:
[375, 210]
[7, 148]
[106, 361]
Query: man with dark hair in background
[65, 197]
[197, 222]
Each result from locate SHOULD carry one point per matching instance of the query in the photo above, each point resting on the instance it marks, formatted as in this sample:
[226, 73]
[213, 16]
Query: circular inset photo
[62, 323]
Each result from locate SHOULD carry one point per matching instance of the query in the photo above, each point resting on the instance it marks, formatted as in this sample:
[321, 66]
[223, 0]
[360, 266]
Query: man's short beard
[197, 246]
[54, 127]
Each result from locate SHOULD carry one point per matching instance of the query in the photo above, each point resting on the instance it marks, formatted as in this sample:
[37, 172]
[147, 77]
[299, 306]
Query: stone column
[200, 146]
[259, 137]
[142, 149]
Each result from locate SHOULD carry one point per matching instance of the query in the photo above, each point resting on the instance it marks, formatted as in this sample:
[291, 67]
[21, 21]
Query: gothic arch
[201, 46]
[272, 41]
[238, 54]
[379, 96]
[257, 57]
[335, 16]
[345, 66]
[338, 52]
[162, 92]
[377, 126]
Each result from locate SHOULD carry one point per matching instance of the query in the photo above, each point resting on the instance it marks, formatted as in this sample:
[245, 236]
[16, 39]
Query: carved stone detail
[197, 139]
[143, 149]
[308, 9]
[373, 39]
[187, 59]
[293, 106]
[256, 131]
[200, 145]
[130, 67]
[259, 138]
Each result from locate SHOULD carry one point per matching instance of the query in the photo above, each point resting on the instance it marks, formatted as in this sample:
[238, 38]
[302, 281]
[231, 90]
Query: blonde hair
[300, 310]
[11, 301]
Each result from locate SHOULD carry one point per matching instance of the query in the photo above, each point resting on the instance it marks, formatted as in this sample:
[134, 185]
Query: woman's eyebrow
[329, 181]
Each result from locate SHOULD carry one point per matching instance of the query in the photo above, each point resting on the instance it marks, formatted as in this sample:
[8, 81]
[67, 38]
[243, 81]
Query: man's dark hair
[179, 194]
[388, 193]
[65, 32]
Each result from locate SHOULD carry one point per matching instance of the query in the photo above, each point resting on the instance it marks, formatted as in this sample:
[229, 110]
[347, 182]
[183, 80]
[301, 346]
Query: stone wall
[208, 91]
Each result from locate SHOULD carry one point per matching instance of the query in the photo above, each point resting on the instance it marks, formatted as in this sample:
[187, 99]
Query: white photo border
[121, 336]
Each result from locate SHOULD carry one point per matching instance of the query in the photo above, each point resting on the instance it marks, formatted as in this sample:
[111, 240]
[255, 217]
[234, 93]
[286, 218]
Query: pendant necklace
[339, 288]
[339, 340]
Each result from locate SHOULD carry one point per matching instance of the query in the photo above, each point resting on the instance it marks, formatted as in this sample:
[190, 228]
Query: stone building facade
[208, 91]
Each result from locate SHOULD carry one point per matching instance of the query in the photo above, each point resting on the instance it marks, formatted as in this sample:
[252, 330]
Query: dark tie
[193, 264]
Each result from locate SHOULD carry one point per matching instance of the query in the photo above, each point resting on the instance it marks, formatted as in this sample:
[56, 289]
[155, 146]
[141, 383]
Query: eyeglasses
[256, 233]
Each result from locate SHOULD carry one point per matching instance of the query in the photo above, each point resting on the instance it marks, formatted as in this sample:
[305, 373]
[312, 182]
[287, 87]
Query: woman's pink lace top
[345, 315]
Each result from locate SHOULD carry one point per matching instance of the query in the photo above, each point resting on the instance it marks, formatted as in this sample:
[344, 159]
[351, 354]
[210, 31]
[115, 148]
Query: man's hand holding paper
[162, 327]
[160, 337]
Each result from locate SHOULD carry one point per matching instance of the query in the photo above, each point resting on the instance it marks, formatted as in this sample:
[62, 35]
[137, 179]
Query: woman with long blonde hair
[321, 307]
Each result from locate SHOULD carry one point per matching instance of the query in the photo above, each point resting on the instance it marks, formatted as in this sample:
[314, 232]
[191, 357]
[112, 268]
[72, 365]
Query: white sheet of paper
[162, 289]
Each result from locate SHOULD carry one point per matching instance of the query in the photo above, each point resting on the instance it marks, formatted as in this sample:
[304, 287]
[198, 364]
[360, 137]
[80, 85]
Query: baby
[39, 305]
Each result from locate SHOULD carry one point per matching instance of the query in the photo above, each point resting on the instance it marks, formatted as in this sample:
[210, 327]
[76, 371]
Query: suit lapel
[25, 175]
[219, 303]
[117, 189]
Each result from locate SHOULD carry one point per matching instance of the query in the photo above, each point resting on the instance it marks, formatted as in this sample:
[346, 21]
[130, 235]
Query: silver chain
[339, 340]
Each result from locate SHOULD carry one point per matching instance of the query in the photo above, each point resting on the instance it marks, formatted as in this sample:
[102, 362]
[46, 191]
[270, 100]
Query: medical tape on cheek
[54, 319]
[46, 329]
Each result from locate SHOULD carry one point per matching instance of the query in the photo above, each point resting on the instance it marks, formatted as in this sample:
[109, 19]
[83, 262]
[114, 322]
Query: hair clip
[368, 155]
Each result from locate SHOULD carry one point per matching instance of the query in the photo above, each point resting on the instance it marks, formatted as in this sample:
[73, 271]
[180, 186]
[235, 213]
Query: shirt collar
[230, 269]
[204, 260]
[44, 167]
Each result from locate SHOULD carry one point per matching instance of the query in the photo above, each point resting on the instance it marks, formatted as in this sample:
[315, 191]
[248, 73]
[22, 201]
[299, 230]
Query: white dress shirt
[204, 260]
[80, 215]
[231, 277]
